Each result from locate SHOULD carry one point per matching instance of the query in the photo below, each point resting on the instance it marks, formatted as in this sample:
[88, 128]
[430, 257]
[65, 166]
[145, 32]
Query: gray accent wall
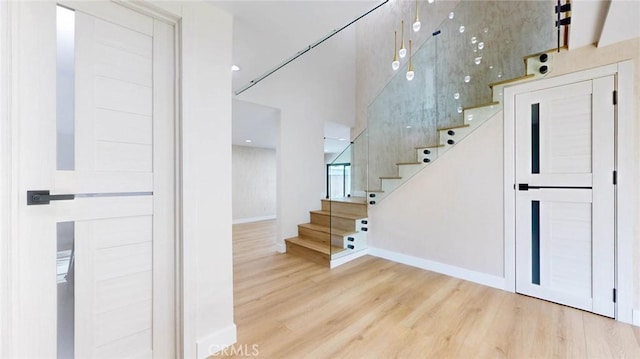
[254, 183]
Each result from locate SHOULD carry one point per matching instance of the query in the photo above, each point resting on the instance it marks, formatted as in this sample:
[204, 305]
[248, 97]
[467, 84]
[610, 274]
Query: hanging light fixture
[416, 22]
[395, 65]
[410, 73]
[403, 50]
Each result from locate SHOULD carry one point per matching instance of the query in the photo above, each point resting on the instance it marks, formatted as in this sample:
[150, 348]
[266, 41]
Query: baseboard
[636, 317]
[453, 271]
[216, 342]
[348, 258]
[281, 248]
[253, 219]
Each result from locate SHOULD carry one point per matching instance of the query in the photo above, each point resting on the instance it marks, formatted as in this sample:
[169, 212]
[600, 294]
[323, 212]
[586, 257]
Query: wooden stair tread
[356, 200]
[493, 103]
[337, 214]
[427, 147]
[314, 245]
[555, 49]
[515, 79]
[391, 177]
[452, 127]
[323, 229]
[408, 163]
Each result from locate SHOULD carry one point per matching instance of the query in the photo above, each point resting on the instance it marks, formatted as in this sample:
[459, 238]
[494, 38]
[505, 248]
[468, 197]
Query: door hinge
[615, 97]
[615, 177]
[615, 295]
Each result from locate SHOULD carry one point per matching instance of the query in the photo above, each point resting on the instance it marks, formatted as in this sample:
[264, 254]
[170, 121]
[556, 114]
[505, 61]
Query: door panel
[108, 254]
[565, 208]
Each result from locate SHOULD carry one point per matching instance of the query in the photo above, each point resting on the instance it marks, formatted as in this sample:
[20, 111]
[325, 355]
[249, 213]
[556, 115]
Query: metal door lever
[44, 197]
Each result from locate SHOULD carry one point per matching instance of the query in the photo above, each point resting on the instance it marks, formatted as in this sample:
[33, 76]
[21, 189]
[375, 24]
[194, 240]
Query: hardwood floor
[286, 307]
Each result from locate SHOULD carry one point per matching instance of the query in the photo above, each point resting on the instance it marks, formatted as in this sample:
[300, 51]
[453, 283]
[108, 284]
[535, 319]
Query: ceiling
[603, 22]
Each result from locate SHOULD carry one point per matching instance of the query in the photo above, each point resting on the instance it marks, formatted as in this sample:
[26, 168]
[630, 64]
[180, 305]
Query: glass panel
[535, 138]
[346, 183]
[65, 77]
[535, 242]
[65, 280]
[339, 179]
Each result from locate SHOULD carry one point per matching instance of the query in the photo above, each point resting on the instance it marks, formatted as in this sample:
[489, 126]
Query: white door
[565, 195]
[95, 261]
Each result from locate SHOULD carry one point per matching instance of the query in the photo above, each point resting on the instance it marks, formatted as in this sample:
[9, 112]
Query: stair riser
[476, 116]
[359, 241]
[317, 236]
[356, 209]
[308, 254]
[460, 133]
[344, 224]
[407, 171]
[320, 219]
[388, 185]
[433, 154]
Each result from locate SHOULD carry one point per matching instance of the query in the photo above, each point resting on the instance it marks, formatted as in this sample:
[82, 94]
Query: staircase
[337, 230]
[536, 66]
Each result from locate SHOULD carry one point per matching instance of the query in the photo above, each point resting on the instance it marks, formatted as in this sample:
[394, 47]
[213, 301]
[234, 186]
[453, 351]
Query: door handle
[44, 197]
[523, 186]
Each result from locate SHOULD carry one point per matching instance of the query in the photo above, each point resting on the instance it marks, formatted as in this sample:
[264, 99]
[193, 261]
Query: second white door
[565, 195]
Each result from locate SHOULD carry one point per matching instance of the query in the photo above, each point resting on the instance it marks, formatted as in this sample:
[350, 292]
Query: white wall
[254, 183]
[452, 212]
[317, 87]
[5, 138]
[206, 189]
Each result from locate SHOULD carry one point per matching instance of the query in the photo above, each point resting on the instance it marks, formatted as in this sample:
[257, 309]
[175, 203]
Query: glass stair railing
[460, 73]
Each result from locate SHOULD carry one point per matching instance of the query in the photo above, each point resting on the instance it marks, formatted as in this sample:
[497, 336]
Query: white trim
[5, 177]
[347, 258]
[626, 194]
[216, 342]
[281, 247]
[254, 219]
[626, 198]
[446, 269]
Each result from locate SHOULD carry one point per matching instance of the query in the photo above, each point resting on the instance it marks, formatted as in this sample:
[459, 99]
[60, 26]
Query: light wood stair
[337, 230]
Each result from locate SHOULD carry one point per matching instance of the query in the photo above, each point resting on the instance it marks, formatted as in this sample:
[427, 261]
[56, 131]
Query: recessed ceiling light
[408, 127]
[342, 139]
[235, 68]
[248, 141]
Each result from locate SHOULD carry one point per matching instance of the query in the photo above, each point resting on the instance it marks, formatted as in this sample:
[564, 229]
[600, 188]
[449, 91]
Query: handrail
[305, 50]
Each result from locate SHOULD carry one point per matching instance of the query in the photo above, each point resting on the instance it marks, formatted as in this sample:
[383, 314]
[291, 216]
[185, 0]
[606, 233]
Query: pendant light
[403, 50]
[395, 65]
[410, 73]
[416, 22]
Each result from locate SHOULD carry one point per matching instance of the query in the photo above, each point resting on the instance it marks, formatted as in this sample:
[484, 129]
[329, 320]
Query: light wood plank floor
[373, 308]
